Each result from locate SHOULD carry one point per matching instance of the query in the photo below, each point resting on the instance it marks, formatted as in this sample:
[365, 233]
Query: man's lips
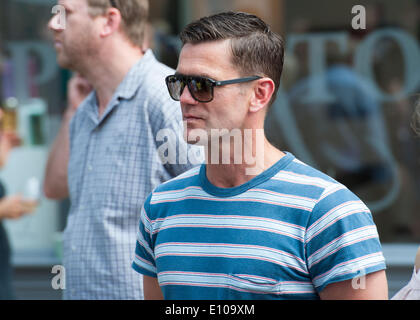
[57, 44]
[188, 117]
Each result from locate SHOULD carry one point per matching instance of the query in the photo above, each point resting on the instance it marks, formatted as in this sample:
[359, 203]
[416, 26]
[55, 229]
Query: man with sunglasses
[106, 156]
[283, 231]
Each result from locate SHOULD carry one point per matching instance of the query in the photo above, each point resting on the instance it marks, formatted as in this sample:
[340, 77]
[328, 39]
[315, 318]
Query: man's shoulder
[153, 90]
[174, 188]
[85, 105]
[189, 178]
[155, 73]
[324, 191]
[331, 193]
[299, 173]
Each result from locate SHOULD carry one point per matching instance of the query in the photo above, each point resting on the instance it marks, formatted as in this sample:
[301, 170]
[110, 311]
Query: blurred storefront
[345, 107]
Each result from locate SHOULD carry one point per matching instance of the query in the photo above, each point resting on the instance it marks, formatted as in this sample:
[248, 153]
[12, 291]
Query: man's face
[76, 41]
[229, 107]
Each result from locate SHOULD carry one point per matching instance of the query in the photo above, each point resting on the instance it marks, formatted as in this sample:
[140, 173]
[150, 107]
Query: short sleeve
[144, 258]
[342, 241]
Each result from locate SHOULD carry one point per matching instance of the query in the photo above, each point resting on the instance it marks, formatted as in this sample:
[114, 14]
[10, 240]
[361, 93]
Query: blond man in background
[106, 157]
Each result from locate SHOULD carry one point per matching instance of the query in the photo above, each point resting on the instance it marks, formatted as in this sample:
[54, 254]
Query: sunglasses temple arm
[223, 83]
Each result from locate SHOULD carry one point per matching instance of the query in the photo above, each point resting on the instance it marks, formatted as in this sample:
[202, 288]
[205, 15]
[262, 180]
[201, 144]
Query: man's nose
[55, 24]
[52, 23]
[186, 97]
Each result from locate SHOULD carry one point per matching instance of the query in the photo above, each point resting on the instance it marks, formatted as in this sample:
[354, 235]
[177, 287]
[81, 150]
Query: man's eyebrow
[201, 75]
[205, 75]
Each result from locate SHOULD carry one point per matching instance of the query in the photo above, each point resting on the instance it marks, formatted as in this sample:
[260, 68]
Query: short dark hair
[256, 49]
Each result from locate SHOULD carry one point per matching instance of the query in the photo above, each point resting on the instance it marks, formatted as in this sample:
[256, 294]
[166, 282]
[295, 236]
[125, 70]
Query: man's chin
[196, 136]
[63, 62]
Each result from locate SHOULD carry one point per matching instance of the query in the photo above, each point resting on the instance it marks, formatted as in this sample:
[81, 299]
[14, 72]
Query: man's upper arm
[56, 172]
[342, 244]
[144, 255]
[151, 288]
[370, 287]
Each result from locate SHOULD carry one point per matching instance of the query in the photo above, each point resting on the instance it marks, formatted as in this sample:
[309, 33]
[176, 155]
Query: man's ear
[263, 91]
[112, 21]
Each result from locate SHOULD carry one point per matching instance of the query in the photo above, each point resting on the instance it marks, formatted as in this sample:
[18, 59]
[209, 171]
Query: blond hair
[416, 118]
[134, 14]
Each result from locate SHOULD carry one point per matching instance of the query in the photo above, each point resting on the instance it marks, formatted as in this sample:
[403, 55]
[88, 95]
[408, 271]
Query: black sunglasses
[201, 88]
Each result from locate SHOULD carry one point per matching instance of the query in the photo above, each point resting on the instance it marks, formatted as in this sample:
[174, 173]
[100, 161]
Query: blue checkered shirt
[114, 164]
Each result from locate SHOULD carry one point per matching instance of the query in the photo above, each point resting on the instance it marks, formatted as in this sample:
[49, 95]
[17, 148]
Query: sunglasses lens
[175, 87]
[201, 89]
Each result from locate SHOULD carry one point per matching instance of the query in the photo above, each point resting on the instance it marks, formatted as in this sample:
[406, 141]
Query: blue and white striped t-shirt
[286, 234]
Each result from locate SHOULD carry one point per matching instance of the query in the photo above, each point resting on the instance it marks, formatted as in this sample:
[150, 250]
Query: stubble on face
[78, 52]
[227, 109]
[77, 43]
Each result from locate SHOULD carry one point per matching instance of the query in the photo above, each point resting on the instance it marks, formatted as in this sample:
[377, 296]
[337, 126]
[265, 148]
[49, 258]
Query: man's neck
[108, 71]
[233, 175]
